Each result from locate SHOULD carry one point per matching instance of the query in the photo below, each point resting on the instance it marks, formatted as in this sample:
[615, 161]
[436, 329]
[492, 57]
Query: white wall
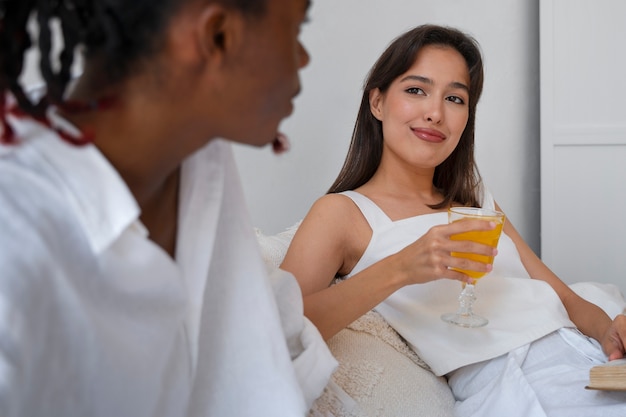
[344, 38]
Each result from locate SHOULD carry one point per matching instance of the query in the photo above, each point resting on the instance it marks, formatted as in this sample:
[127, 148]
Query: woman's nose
[434, 111]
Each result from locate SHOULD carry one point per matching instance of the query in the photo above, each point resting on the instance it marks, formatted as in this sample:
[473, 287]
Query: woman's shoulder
[334, 216]
[335, 220]
[335, 205]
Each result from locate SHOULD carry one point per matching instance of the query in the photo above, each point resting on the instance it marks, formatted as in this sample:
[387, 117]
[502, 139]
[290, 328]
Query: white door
[583, 139]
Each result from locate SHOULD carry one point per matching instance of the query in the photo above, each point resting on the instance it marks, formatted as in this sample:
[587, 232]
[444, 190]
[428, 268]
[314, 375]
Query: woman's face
[425, 110]
[264, 79]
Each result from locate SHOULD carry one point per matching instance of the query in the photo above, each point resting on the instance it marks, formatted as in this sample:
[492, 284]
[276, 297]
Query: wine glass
[464, 316]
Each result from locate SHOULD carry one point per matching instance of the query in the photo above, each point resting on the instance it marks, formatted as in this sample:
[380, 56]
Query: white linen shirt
[97, 320]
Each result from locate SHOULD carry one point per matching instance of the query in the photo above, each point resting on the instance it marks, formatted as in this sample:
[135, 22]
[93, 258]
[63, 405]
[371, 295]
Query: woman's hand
[430, 257]
[615, 338]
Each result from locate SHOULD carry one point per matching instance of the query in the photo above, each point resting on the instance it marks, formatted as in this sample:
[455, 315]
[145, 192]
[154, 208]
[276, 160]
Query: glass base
[465, 320]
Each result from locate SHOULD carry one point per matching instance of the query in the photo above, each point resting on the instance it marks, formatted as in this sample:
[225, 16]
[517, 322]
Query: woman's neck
[159, 214]
[403, 197]
[146, 149]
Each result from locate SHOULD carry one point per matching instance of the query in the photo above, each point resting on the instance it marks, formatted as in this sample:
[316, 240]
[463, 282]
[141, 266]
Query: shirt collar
[94, 190]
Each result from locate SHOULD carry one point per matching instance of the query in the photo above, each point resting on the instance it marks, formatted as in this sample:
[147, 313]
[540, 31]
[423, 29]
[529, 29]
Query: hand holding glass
[465, 317]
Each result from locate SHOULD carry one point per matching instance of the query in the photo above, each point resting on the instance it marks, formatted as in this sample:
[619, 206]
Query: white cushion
[607, 296]
[378, 374]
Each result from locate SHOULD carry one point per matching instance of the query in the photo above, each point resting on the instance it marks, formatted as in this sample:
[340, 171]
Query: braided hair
[116, 33]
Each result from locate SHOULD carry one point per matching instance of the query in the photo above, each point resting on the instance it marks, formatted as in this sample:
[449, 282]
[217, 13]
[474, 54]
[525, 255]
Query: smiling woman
[131, 281]
[457, 174]
[441, 101]
[381, 239]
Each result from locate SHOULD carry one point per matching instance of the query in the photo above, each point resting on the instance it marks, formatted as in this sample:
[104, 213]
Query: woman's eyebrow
[457, 84]
[419, 78]
[426, 80]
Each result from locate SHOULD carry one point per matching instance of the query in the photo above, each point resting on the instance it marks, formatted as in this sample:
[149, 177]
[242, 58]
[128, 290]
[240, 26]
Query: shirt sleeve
[312, 360]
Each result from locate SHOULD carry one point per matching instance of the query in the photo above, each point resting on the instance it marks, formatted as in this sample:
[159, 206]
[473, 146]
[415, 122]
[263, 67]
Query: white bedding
[606, 296]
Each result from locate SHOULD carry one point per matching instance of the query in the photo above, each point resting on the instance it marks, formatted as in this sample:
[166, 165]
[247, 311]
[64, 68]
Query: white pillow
[274, 248]
[607, 296]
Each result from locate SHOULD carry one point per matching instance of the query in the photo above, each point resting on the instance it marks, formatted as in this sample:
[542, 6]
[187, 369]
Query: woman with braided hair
[131, 283]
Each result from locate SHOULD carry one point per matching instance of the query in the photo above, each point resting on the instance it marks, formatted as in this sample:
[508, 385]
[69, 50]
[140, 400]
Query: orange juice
[487, 237]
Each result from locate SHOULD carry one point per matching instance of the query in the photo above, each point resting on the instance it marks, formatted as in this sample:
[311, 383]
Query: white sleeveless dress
[488, 368]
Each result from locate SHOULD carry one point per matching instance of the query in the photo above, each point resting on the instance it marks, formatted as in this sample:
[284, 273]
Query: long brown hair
[457, 177]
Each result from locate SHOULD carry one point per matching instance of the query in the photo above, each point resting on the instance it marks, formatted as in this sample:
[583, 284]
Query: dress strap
[486, 198]
[374, 215]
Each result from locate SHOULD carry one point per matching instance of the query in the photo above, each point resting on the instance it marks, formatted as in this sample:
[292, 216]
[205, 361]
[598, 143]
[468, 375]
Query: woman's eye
[456, 99]
[415, 90]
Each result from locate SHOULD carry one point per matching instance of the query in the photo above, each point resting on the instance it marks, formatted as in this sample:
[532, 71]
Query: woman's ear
[376, 101]
[218, 30]
[204, 34]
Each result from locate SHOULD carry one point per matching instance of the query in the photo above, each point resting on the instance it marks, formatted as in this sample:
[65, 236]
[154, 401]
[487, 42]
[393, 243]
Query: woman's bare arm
[589, 318]
[331, 240]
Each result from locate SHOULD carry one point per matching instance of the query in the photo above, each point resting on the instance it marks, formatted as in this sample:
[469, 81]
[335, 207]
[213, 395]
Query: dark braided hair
[116, 33]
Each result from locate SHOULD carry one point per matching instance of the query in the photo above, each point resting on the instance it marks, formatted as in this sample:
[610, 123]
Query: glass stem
[466, 300]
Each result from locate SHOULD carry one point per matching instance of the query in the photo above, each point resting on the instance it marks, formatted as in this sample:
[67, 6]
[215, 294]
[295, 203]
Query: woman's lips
[429, 135]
